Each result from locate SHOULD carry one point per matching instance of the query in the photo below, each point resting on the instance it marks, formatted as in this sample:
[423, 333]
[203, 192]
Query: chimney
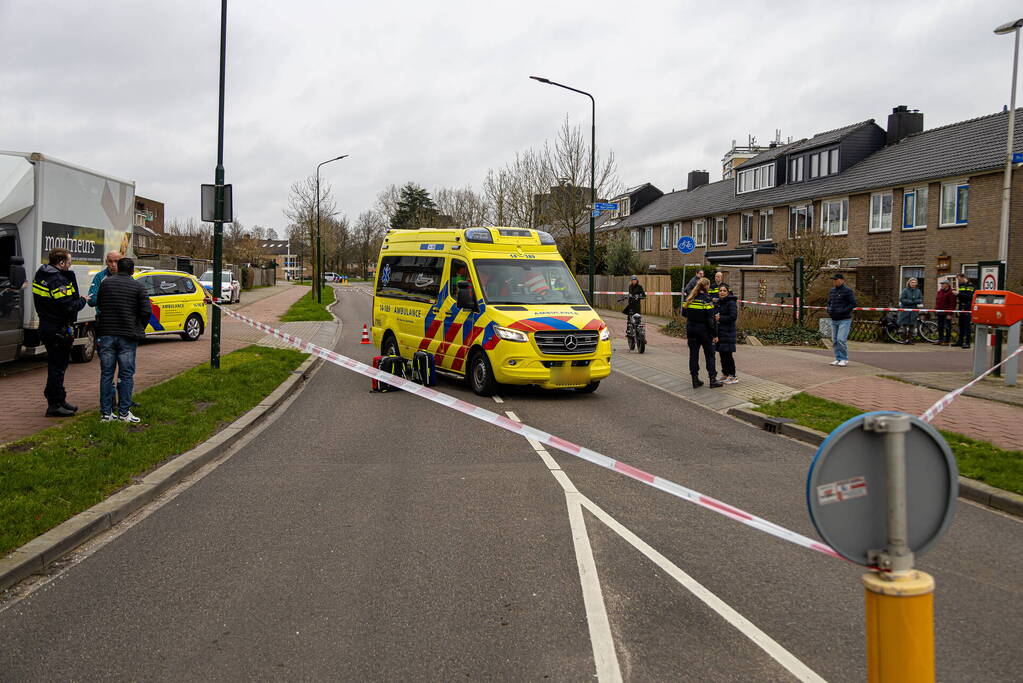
[903, 122]
[697, 178]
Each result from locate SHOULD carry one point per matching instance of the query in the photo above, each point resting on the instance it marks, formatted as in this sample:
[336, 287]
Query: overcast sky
[438, 92]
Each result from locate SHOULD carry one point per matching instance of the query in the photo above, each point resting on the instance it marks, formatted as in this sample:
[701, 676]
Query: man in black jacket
[124, 311]
[57, 302]
[841, 302]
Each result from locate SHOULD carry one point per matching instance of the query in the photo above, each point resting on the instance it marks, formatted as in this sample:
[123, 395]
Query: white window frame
[794, 211]
[746, 226]
[903, 277]
[623, 207]
[700, 232]
[765, 220]
[914, 192]
[665, 236]
[828, 227]
[648, 238]
[720, 223]
[954, 186]
[753, 179]
[676, 233]
[974, 266]
[634, 236]
[878, 225]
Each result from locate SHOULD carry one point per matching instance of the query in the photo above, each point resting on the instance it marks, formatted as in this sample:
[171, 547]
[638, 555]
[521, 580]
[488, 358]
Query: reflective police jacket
[699, 315]
[56, 297]
[965, 296]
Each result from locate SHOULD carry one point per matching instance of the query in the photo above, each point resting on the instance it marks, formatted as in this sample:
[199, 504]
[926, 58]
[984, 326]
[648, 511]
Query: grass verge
[51, 476]
[977, 459]
[307, 309]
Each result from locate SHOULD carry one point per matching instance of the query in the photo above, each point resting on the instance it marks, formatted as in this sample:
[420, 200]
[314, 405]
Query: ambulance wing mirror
[17, 273]
[464, 297]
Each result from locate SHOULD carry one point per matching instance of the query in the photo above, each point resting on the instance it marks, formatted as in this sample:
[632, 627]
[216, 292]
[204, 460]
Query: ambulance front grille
[567, 342]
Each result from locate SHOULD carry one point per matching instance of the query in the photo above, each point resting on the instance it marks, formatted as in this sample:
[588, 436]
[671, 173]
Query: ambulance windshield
[527, 281]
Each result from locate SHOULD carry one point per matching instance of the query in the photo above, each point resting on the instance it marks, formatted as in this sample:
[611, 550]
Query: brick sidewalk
[779, 372]
[158, 359]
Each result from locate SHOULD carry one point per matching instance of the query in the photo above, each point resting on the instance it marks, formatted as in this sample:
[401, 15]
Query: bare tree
[464, 205]
[496, 187]
[337, 242]
[387, 202]
[815, 247]
[188, 238]
[301, 212]
[369, 231]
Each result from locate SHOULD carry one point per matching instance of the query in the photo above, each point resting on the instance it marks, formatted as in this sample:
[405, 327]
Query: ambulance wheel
[589, 388]
[193, 328]
[481, 376]
[390, 346]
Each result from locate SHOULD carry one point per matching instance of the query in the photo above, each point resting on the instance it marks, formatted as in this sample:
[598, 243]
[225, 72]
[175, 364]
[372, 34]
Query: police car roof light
[545, 237]
[479, 235]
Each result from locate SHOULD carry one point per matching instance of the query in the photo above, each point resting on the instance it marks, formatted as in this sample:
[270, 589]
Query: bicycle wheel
[928, 331]
[894, 333]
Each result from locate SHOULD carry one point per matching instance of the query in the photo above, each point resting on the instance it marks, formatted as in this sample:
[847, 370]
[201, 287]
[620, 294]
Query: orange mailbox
[997, 307]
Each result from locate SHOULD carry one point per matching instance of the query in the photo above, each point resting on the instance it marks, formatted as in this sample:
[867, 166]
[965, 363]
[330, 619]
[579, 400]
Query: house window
[634, 235]
[835, 216]
[623, 207]
[720, 231]
[833, 154]
[648, 238]
[971, 270]
[824, 163]
[746, 228]
[665, 236]
[914, 208]
[796, 170]
[700, 233]
[766, 227]
[800, 219]
[676, 234]
[954, 203]
[881, 212]
[753, 179]
[912, 271]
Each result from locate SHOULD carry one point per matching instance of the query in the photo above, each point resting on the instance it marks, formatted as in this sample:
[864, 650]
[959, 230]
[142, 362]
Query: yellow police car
[178, 301]
[493, 305]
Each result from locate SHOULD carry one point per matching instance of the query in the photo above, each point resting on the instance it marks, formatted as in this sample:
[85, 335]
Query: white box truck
[46, 204]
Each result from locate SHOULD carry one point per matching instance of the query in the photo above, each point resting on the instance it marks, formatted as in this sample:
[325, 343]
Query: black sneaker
[697, 383]
[59, 411]
[68, 406]
[714, 383]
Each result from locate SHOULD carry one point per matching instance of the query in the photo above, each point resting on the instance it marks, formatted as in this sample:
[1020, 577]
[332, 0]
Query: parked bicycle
[924, 329]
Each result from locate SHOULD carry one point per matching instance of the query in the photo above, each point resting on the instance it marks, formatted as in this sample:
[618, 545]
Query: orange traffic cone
[365, 334]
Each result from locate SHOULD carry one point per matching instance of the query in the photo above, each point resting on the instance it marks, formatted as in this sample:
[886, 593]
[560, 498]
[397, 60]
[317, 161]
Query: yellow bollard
[900, 627]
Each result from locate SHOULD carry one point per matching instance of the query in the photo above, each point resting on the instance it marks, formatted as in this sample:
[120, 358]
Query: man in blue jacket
[841, 302]
[111, 269]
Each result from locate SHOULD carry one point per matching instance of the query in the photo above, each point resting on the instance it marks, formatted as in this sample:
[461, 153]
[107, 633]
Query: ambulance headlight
[509, 334]
[605, 334]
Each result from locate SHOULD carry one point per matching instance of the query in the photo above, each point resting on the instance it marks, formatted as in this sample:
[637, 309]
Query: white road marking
[794, 666]
[604, 656]
[497, 399]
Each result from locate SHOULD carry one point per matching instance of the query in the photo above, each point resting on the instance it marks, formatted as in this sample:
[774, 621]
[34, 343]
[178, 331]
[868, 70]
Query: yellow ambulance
[493, 305]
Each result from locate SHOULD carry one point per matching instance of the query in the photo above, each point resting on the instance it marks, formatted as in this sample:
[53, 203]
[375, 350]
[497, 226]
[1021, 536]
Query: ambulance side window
[459, 272]
[415, 278]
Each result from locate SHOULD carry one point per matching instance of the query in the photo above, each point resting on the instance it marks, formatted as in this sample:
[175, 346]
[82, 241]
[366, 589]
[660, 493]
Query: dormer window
[753, 179]
[824, 163]
[796, 170]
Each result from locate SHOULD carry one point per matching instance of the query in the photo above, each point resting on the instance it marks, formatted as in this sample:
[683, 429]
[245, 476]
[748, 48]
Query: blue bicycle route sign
[686, 244]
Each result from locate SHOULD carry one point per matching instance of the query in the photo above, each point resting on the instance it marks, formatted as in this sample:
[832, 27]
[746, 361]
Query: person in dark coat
[124, 310]
[911, 297]
[701, 331]
[945, 300]
[57, 302]
[727, 316]
[692, 281]
[841, 303]
[964, 297]
[636, 294]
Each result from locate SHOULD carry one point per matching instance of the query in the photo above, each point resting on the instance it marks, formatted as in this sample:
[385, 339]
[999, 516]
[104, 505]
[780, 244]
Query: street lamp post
[1003, 233]
[318, 267]
[593, 163]
[218, 223]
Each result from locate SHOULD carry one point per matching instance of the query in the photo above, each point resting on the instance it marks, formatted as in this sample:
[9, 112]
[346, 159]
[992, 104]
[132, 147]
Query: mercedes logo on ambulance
[571, 343]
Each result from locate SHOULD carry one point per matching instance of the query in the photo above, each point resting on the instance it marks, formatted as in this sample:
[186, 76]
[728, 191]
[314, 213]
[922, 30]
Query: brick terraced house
[909, 202]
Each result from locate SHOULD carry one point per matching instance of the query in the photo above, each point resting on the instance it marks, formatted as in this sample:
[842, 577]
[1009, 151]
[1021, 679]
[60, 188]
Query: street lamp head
[1010, 27]
[541, 79]
[340, 157]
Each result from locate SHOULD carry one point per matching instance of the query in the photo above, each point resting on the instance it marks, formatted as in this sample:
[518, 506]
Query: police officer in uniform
[701, 331]
[57, 301]
[964, 301]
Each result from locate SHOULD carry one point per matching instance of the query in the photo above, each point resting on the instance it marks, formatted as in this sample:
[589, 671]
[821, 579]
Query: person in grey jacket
[911, 297]
[124, 310]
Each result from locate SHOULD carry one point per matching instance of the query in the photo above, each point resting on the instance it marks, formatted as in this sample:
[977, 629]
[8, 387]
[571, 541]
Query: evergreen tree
[415, 209]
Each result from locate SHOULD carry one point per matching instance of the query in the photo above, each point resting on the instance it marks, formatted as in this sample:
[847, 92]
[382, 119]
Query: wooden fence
[654, 305]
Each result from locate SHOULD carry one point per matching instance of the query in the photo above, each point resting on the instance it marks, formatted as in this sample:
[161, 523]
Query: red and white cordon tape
[946, 400]
[766, 303]
[551, 440]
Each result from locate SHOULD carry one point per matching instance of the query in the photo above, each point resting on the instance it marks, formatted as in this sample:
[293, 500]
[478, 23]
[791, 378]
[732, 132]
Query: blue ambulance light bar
[545, 237]
[479, 235]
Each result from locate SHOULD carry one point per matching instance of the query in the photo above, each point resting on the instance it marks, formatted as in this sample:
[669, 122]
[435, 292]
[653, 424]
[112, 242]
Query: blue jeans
[116, 352]
[840, 337]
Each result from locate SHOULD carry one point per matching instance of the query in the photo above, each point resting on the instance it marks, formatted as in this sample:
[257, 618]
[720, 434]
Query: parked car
[331, 277]
[231, 289]
[178, 301]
